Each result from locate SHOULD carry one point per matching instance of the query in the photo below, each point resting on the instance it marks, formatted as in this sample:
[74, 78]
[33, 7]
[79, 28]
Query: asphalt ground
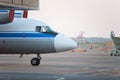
[90, 65]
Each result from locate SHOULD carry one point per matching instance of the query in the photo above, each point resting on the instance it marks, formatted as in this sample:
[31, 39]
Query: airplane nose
[63, 43]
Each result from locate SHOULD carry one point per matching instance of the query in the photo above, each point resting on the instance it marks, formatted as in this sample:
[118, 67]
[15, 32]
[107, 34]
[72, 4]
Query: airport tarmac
[91, 65]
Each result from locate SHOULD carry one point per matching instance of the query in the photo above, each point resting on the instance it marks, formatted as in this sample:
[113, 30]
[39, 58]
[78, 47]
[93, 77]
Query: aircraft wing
[19, 4]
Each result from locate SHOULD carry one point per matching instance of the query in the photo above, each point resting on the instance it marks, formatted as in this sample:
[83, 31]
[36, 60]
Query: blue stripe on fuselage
[3, 11]
[27, 35]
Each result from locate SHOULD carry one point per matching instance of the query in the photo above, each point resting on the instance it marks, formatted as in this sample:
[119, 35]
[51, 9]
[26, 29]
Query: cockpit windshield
[44, 29]
[48, 29]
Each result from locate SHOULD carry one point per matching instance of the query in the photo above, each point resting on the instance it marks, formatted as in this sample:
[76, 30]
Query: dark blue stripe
[3, 11]
[17, 35]
[19, 13]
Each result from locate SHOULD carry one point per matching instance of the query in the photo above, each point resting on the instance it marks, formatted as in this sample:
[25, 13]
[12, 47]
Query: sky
[95, 18]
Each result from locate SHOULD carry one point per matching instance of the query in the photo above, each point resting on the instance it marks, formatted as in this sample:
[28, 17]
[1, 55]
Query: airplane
[28, 36]
[116, 41]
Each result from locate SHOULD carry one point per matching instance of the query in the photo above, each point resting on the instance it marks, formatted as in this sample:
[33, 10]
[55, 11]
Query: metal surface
[26, 46]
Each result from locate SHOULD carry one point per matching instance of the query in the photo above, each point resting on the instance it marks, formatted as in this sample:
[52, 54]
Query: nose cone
[63, 43]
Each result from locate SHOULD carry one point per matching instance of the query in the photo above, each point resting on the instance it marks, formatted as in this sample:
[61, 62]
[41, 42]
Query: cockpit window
[43, 29]
[48, 29]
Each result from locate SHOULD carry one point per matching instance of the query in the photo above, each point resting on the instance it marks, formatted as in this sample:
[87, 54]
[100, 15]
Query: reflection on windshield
[48, 29]
[44, 29]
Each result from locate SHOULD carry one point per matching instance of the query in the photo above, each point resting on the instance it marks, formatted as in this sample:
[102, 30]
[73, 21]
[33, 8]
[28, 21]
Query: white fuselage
[21, 37]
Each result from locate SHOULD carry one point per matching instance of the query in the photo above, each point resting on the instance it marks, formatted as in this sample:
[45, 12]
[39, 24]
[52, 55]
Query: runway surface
[91, 65]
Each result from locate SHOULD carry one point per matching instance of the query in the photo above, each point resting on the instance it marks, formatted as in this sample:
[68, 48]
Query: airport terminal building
[19, 4]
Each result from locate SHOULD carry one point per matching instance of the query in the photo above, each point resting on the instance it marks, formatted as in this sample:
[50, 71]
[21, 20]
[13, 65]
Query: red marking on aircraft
[11, 15]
